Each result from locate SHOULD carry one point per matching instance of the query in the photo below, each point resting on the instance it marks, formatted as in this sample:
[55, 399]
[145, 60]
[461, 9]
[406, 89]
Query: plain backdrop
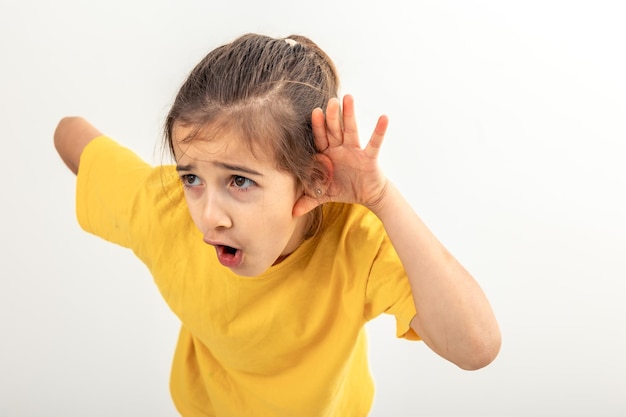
[508, 125]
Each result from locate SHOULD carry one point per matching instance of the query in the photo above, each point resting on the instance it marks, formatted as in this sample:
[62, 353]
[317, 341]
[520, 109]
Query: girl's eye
[190, 180]
[242, 182]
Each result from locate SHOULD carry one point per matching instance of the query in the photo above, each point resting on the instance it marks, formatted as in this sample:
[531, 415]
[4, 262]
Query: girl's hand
[355, 176]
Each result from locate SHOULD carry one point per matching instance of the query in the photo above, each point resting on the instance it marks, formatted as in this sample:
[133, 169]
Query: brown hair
[264, 89]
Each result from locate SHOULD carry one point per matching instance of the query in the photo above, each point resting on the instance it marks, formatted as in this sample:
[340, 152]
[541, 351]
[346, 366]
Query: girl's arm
[453, 317]
[71, 136]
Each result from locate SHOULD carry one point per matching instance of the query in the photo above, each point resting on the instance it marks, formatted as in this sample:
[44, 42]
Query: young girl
[275, 238]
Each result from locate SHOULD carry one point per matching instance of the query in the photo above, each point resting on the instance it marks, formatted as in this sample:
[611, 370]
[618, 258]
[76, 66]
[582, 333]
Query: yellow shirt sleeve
[104, 203]
[388, 290]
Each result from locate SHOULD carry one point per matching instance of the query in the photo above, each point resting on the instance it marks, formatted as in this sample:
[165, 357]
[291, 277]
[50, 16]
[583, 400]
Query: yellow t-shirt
[290, 342]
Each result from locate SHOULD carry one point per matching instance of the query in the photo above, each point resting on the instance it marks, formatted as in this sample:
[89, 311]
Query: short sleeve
[109, 177]
[388, 290]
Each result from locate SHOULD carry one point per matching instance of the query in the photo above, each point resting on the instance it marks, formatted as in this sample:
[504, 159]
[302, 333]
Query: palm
[356, 176]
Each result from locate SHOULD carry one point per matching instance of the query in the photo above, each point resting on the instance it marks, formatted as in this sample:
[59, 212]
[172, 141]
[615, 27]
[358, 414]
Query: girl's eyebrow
[184, 168]
[191, 167]
[237, 168]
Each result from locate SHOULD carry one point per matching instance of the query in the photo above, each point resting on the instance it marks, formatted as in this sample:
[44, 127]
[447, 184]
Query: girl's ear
[321, 176]
[316, 188]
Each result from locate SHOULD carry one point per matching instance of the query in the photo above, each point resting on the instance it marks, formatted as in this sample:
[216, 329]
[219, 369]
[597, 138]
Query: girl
[275, 238]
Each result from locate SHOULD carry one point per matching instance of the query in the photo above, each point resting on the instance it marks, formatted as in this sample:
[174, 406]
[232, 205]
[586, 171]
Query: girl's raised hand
[355, 176]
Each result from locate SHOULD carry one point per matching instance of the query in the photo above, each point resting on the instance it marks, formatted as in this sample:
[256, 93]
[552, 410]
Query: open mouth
[229, 256]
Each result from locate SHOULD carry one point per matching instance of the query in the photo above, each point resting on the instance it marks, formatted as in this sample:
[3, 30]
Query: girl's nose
[214, 214]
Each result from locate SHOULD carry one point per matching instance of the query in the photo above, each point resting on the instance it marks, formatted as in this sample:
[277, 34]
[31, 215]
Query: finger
[318, 125]
[334, 130]
[350, 132]
[376, 140]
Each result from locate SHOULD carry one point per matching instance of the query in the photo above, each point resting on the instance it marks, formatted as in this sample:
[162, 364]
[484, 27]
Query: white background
[507, 135]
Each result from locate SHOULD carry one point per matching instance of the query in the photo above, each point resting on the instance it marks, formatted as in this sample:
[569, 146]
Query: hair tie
[291, 42]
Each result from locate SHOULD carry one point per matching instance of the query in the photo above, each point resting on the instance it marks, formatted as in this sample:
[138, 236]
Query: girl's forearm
[454, 317]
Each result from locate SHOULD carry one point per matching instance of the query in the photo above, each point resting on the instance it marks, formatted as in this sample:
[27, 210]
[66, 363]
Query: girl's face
[240, 202]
